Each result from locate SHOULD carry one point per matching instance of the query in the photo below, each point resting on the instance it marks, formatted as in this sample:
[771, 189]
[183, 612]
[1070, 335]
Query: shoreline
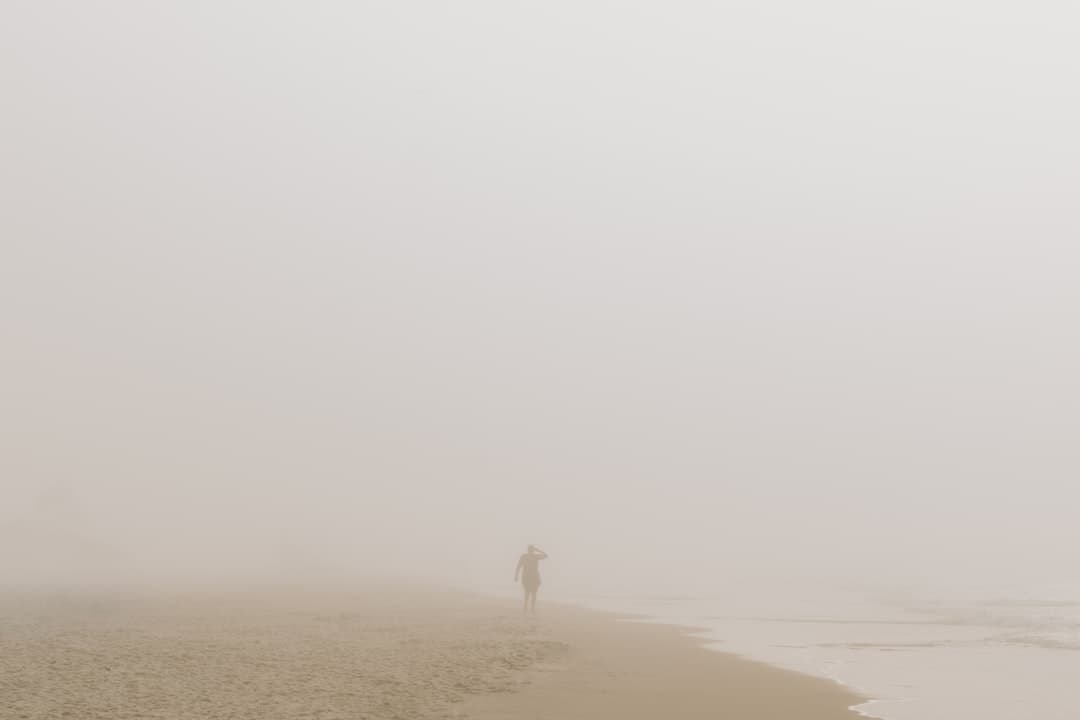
[632, 666]
[865, 703]
[376, 652]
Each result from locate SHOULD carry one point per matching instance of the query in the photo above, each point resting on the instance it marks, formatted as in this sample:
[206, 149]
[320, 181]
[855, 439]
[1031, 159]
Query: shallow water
[1003, 654]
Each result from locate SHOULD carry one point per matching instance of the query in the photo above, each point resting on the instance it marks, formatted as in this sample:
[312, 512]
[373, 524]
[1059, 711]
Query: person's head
[531, 549]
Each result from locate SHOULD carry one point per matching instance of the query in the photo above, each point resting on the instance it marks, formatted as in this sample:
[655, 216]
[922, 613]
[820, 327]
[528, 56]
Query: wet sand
[630, 670]
[372, 654]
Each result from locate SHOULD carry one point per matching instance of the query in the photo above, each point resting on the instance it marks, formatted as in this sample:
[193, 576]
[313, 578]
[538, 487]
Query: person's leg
[532, 601]
[525, 607]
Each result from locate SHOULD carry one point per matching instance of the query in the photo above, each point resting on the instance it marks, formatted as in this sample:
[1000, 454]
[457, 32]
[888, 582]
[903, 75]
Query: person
[528, 568]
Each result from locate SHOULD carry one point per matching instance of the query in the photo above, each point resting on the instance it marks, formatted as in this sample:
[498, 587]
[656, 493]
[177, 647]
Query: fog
[681, 292]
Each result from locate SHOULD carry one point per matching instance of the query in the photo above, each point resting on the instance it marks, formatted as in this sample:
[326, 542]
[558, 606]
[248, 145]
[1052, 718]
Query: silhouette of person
[528, 568]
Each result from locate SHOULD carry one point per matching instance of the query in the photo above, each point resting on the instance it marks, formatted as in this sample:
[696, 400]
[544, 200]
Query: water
[996, 654]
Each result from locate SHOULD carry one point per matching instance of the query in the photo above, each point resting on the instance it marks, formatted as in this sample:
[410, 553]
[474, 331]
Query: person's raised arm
[543, 555]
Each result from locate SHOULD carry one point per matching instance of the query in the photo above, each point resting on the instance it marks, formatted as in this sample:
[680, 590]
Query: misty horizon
[680, 293]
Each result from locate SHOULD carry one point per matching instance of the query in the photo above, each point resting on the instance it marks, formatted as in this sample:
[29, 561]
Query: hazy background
[678, 291]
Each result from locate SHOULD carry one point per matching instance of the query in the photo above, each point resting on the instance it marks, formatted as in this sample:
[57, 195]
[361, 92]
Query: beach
[629, 669]
[997, 653]
[386, 652]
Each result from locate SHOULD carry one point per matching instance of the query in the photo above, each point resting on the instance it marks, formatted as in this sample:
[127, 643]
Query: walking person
[528, 568]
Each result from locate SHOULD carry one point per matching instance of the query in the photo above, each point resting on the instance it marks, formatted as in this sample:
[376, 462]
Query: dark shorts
[530, 584]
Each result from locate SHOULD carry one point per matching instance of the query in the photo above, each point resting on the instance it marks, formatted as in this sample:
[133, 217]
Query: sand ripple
[295, 655]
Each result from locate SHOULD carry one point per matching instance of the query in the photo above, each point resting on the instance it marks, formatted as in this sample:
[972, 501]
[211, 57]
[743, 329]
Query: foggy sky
[676, 291]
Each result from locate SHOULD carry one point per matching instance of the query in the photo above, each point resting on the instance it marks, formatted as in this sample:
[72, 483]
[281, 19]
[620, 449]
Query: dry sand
[375, 654]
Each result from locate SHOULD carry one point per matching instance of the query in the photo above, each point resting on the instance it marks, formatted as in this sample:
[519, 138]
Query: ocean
[1006, 653]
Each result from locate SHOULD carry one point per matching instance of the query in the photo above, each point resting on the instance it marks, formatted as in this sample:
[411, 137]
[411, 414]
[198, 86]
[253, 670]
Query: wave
[1044, 617]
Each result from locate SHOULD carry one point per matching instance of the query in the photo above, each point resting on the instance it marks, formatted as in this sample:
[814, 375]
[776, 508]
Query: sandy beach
[375, 653]
[631, 670]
